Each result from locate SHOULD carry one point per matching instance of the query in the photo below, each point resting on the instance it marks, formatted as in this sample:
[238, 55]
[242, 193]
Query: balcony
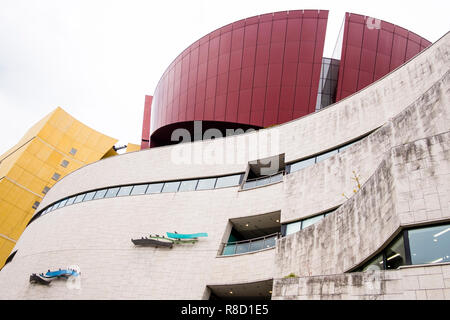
[250, 245]
[263, 181]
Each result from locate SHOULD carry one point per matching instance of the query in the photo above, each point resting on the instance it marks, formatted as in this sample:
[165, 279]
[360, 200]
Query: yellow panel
[133, 147]
[15, 173]
[45, 173]
[5, 187]
[55, 159]
[110, 153]
[25, 179]
[54, 139]
[35, 165]
[6, 248]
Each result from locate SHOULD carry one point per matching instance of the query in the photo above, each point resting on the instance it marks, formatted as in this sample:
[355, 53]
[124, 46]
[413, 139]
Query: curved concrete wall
[408, 152]
[331, 127]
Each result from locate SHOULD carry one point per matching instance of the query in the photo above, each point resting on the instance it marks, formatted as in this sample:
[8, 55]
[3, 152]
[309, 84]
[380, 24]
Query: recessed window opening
[265, 171]
[414, 246]
[252, 233]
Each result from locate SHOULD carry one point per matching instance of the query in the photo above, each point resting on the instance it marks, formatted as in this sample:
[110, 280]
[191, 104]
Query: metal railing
[262, 181]
[251, 245]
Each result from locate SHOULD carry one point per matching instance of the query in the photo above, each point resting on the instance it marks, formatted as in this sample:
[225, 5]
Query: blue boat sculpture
[46, 278]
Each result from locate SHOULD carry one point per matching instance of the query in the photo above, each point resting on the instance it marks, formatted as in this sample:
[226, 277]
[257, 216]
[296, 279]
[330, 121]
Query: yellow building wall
[27, 170]
[131, 147]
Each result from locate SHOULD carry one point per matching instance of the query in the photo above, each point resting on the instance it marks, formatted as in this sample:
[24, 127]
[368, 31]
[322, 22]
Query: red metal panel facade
[265, 70]
[371, 49]
[259, 71]
[145, 140]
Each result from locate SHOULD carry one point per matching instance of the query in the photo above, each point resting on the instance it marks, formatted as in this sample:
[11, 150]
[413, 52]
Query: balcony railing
[251, 245]
[262, 181]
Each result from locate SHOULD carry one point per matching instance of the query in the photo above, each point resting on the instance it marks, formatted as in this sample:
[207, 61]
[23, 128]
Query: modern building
[55, 146]
[347, 202]
[269, 69]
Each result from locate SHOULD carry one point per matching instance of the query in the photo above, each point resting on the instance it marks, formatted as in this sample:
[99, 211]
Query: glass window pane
[188, 185]
[257, 245]
[395, 254]
[375, 264]
[171, 186]
[112, 192]
[70, 201]
[99, 194]
[276, 178]
[242, 247]
[229, 249]
[124, 191]
[206, 184]
[311, 221]
[229, 181]
[155, 188]
[302, 164]
[79, 198]
[293, 227]
[270, 242]
[347, 146]
[89, 196]
[430, 244]
[263, 181]
[249, 184]
[62, 203]
[139, 189]
[326, 155]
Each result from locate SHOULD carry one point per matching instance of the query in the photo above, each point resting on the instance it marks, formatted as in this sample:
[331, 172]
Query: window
[310, 221]
[56, 176]
[171, 186]
[154, 188]
[70, 201]
[62, 203]
[430, 244]
[124, 191]
[36, 204]
[73, 151]
[424, 245]
[395, 254]
[188, 185]
[112, 192]
[347, 146]
[229, 181]
[301, 164]
[139, 189]
[45, 190]
[375, 264]
[64, 163]
[79, 198]
[89, 196]
[99, 194]
[325, 156]
[206, 184]
[249, 184]
[293, 227]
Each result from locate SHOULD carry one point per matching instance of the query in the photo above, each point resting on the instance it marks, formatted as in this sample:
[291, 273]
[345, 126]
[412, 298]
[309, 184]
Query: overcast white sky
[97, 59]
